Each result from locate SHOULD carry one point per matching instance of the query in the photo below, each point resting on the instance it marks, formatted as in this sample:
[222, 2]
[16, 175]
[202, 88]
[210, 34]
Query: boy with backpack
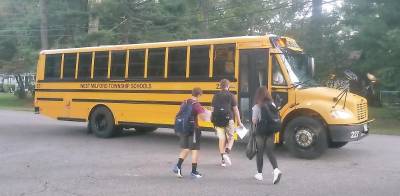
[186, 127]
[225, 108]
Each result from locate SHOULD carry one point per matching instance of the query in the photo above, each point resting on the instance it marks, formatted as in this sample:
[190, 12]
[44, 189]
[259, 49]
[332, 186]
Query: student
[264, 141]
[224, 106]
[191, 143]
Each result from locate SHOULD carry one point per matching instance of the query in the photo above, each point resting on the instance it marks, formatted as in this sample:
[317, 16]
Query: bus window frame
[60, 68]
[283, 70]
[110, 66]
[185, 76]
[63, 78]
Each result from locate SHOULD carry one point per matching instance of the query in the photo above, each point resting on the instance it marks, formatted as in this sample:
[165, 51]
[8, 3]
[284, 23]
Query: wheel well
[301, 112]
[97, 106]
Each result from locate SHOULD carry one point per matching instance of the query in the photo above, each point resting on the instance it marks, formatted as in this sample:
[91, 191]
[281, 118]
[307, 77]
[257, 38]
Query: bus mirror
[311, 66]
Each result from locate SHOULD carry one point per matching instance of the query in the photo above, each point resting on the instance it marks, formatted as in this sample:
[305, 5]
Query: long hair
[262, 96]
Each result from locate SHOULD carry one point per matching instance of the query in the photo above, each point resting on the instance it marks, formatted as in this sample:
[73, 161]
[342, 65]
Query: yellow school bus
[142, 85]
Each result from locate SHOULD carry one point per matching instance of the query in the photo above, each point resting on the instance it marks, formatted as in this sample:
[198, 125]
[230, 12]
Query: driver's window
[277, 75]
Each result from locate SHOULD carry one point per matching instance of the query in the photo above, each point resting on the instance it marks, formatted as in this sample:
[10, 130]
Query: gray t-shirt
[256, 115]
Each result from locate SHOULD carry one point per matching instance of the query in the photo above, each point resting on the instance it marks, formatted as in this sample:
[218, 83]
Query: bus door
[279, 84]
[253, 73]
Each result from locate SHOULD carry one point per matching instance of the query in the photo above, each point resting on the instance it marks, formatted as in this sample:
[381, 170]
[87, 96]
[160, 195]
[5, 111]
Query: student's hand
[240, 124]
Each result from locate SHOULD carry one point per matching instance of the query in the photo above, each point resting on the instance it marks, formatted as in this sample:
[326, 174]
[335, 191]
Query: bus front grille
[362, 111]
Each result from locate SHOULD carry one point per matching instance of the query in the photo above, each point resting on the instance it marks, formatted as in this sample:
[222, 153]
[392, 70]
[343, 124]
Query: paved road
[40, 156]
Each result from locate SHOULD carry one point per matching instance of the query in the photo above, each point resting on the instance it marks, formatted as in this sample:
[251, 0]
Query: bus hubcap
[100, 122]
[304, 137]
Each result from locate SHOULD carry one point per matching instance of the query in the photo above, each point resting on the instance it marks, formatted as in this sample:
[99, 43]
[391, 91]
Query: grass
[387, 120]
[10, 101]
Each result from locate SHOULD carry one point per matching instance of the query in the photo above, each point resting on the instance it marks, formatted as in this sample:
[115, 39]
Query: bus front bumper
[348, 133]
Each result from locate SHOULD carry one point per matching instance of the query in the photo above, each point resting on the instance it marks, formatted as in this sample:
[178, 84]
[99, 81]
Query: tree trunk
[93, 17]
[21, 87]
[43, 24]
[204, 8]
[316, 18]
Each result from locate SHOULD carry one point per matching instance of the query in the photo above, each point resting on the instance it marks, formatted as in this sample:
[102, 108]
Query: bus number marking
[354, 134]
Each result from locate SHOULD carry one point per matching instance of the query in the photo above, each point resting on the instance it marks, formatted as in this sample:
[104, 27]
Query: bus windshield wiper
[300, 83]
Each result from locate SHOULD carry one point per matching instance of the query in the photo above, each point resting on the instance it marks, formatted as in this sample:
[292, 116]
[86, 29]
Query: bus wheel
[143, 129]
[337, 144]
[102, 124]
[306, 137]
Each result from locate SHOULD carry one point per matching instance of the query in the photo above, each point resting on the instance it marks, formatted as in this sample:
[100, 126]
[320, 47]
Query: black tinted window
[156, 62]
[136, 63]
[118, 61]
[199, 61]
[177, 62]
[52, 67]
[100, 65]
[224, 60]
[69, 66]
[85, 64]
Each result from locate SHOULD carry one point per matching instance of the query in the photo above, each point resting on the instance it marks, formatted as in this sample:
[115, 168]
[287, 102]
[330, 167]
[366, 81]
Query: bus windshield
[296, 63]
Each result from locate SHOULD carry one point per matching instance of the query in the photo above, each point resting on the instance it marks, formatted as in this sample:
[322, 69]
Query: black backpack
[184, 120]
[270, 121]
[222, 102]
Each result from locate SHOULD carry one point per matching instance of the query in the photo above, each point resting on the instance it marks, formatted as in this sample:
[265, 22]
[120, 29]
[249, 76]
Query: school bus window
[199, 61]
[85, 64]
[100, 65]
[177, 62]
[277, 76]
[156, 62]
[136, 63]
[224, 60]
[118, 60]
[69, 66]
[52, 66]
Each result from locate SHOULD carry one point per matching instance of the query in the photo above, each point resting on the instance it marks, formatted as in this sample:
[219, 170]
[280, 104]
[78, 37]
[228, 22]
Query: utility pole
[43, 24]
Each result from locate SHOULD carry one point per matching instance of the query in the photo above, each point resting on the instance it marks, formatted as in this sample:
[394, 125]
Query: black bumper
[348, 133]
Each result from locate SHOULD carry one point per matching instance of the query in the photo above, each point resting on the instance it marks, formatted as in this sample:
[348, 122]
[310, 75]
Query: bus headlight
[341, 114]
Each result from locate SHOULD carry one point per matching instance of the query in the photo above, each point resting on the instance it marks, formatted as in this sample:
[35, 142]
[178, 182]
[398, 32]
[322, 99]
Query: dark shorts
[191, 142]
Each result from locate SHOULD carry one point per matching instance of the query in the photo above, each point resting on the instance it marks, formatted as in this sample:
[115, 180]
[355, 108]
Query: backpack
[221, 109]
[184, 119]
[270, 121]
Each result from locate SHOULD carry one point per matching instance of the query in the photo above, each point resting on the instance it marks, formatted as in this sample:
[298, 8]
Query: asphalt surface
[41, 156]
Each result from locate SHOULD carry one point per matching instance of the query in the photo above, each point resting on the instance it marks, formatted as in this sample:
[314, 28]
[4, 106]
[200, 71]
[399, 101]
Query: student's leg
[182, 156]
[230, 129]
[260, 143]
[195, 158]
[270, 153]
[221, 139]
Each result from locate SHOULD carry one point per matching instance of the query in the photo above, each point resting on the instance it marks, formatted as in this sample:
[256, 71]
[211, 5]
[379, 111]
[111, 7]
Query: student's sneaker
[223, 164]
[277, 176]
[259, 176]
[177, 171]
[196, 175]
[227, 159]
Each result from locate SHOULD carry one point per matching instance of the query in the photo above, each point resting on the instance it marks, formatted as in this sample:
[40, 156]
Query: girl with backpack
[263, 111]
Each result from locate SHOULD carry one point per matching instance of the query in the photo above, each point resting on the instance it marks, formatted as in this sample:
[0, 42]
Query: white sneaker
[277, 176]
[227, 159]
[259, 176]
[223, 164]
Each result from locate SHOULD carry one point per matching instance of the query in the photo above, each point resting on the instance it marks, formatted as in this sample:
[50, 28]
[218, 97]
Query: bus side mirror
[311, 66]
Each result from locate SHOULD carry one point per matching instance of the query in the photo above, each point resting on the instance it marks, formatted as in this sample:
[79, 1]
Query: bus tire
[337, 144]
[145, 129]
[306, 137]
[101, 123]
